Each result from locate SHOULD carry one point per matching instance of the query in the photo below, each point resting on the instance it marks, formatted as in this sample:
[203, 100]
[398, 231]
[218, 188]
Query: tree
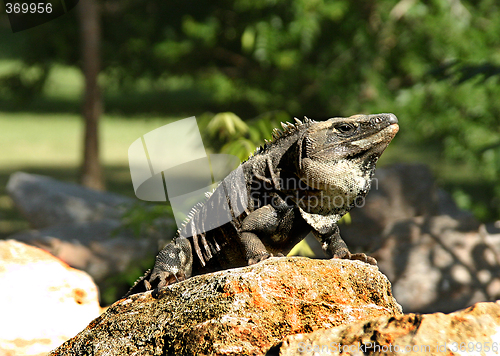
[90, 27]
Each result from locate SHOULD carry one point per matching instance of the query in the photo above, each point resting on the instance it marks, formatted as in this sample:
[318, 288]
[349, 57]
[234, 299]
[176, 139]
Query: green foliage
[228, 133]
[224, 128]
[149, 219]
[143, 220]
[115, 286]
[23, 84]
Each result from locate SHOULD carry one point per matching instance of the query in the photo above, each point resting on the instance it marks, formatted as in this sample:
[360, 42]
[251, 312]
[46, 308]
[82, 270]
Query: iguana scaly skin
[304, 180]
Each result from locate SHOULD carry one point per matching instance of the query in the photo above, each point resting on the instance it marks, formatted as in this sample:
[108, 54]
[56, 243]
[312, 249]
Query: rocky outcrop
[242, 311]
[473, 331]
[43, 302]
[45, 201]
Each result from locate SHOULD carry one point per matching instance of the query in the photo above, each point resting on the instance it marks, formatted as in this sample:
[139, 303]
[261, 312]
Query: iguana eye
[345, 128]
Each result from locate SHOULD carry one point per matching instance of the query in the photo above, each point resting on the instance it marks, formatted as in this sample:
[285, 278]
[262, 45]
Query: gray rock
[96, 247]
[438, 264]
[447, 206]
[398, 192]
[45, 201]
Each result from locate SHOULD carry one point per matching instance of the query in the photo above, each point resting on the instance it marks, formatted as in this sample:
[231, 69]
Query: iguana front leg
[173, 264]
[335, 247]
[259, 223]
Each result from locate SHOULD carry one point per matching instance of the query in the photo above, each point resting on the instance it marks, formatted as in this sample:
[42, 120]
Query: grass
[39, 140]
[50, 144]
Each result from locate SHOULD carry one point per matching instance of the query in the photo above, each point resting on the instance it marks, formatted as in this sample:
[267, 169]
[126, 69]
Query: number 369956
[32, 8]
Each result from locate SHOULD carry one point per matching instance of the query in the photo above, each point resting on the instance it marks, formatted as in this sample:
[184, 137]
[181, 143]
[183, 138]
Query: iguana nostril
[392, 119]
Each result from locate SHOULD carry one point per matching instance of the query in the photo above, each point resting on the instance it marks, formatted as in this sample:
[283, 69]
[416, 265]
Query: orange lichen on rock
[240, 311]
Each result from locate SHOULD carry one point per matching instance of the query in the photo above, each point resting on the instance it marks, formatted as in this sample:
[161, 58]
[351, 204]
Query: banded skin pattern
[304, 180]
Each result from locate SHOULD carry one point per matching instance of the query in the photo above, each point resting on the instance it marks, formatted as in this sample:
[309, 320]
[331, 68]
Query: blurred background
[77, 91]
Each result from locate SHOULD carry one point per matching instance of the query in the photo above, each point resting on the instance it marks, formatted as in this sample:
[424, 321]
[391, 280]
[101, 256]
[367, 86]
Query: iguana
[303, 180]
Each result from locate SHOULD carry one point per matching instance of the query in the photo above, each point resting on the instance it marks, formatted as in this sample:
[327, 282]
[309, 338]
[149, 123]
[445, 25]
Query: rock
[45, 201]
[84, 230]
[438, 264]
[43, 301]
[492, 233]
[96, 247]
[447, 206]
[399, 192]
[243, 311]
[466, 332]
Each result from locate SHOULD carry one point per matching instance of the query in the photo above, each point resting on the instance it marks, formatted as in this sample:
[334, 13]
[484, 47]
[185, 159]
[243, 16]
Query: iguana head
[338, 156]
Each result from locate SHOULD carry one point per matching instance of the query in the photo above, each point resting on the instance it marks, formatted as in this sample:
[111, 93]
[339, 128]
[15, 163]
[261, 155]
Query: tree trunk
[91, 171]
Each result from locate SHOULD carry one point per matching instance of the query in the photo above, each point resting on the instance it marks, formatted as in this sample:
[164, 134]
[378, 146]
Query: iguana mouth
[383, 136]
[376, 143]
[373, 144]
